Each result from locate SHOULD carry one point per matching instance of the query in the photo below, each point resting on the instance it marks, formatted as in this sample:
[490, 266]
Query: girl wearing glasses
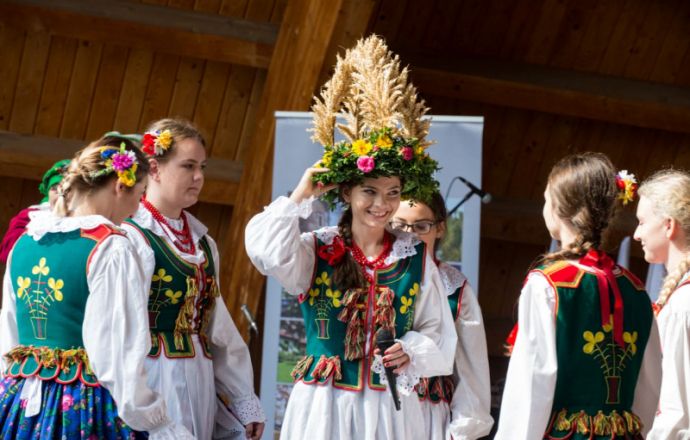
[357, 279]
[458, 405]
[664, 231]
[585, 364]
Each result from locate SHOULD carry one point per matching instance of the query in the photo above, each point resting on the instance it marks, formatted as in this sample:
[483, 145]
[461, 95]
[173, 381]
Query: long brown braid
[347, 274]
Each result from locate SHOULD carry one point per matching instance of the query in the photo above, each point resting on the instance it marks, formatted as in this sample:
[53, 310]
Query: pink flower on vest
[365, 164]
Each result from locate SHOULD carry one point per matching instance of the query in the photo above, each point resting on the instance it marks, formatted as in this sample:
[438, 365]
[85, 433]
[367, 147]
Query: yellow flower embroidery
[56, 285]
[630, 339]
[334, 295]
[415, 289]
[174, 296]
[313, 293]
[384, 142]
[592, 340]
[161, 276]
[608, 326]
[406, 303]
[23, 284]
[323, 279]
[361, 147]
[41, 268]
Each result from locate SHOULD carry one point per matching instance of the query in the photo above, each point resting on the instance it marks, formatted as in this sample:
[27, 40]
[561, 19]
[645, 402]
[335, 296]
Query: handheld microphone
[250, 318]
[384, 340]
[485, 196]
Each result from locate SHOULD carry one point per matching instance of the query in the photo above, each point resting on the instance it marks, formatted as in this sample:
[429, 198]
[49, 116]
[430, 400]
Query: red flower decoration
[148, 144]
[334, 252]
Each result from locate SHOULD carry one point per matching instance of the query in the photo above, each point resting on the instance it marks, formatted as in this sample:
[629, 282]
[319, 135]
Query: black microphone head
[384, 337]
[486, 198]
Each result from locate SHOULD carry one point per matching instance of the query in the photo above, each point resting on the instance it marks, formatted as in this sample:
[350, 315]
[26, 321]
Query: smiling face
[653, 232]
[180, 177]
[374, 201]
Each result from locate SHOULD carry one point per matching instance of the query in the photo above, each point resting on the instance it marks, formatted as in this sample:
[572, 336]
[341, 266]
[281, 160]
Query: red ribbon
[334, 252]
[602, 266]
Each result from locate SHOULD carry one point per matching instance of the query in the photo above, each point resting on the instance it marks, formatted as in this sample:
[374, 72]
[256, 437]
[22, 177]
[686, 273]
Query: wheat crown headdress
[384, 125]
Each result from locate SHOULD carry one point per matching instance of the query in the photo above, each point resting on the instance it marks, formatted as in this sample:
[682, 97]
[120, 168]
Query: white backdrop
[458, 150]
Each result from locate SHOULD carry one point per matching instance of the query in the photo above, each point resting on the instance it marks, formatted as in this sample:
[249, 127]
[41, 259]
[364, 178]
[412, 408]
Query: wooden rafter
[28, 157]
[563, 92]
[305, 34]
[139, 25]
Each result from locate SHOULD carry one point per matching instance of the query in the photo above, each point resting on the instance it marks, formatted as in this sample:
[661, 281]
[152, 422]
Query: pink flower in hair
[407, 153]
[365, 164]
[123, 161]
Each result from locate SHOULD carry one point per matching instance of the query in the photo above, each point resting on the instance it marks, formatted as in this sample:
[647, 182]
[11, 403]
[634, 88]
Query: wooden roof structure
[549, 76]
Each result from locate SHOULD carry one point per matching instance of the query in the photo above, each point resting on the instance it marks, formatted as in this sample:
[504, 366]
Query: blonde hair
[180, 129]
[583, 192]
[79, 179]
[669, 192]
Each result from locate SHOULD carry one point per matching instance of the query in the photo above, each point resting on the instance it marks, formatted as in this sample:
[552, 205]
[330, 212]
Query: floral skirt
[71, 411]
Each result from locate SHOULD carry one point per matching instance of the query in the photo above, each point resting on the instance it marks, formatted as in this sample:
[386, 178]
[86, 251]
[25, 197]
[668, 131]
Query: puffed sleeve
[116, 338]
[671, 421]
[471, 405]
[531, 380]
[9, 337]
[276, 247]
[232, 366]
[432, 340]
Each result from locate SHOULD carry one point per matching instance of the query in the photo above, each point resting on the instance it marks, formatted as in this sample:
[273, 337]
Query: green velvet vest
[596, 379]
[50, 284]
[181, 299]
[336, 322]
[441, 388]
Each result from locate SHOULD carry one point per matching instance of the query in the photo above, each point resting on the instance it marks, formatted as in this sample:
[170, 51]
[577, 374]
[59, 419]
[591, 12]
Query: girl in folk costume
[664, 230]
[72, 328]
[585, 364]
[198, 360]
[357, 278]
[456, 406]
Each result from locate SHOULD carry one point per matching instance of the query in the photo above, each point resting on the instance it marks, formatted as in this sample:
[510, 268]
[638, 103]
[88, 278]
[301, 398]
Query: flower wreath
[627, 186]
[384, 124]
[121, 161]
[156, 143]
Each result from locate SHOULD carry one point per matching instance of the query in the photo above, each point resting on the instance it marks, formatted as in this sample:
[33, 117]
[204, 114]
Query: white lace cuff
[405, 381]
[285, 207]
[248, 410]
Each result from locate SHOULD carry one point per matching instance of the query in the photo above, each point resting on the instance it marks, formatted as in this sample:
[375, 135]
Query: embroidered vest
[596, 378]
[49, 278]
[441, 388]
[337, 322]
[181, 299]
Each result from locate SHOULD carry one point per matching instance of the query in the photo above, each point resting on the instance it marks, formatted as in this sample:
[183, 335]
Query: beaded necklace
[375, 264]
[181, 238]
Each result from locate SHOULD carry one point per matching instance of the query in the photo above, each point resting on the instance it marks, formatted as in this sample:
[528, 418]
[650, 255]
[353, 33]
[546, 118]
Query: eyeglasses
[420, 227]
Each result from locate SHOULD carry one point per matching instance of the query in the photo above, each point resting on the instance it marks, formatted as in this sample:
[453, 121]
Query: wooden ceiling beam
[28, 157]
[144, 26]
[306, 32]
[549, 90]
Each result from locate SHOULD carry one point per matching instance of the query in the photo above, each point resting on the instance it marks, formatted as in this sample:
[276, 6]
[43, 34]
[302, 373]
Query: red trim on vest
[99, 234]
[462, 292]
[639, 285]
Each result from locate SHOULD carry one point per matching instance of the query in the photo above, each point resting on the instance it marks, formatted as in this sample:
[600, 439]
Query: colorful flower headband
[627, 184]
[156, 143]
[121, 161]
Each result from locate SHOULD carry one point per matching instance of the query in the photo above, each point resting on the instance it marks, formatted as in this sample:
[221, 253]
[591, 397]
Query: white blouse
[114, 331]
[191, 385]
[531, 380]
[672, 420]
[471, 404]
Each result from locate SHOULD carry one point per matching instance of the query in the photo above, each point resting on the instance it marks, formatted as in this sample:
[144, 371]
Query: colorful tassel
[301, 367]
[562, 422]
[354, 338]
[584, 423]
[617, 423]
[384, 315]
[602, 425]
[183, 323]
[633, 422]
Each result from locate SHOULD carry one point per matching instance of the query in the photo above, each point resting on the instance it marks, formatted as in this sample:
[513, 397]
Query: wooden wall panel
[12, 44]
[28, 88]
[82, 84]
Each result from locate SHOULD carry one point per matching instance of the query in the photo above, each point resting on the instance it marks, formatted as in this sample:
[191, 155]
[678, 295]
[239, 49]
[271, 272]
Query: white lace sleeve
[405, 381]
